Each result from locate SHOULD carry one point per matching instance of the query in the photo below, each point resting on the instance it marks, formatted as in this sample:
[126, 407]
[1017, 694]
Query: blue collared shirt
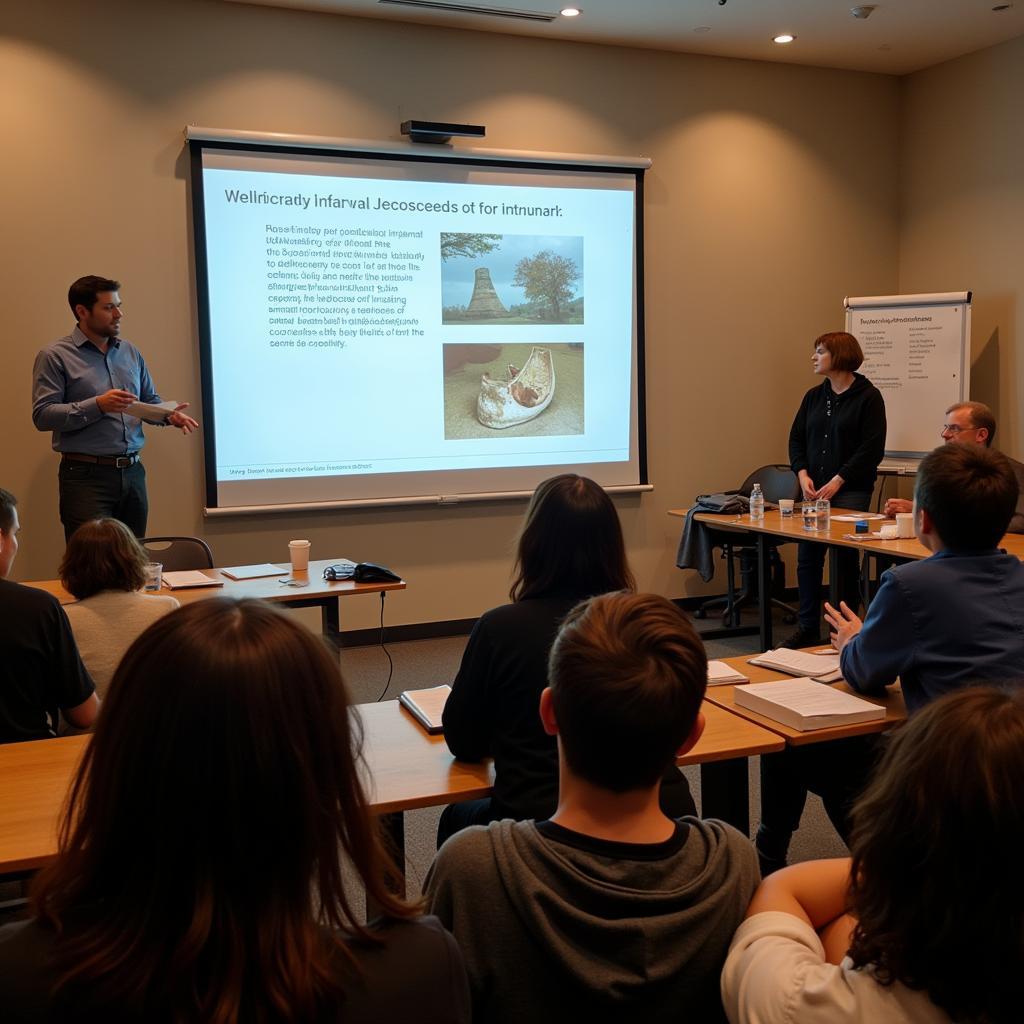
[946, 622]
[67, 378]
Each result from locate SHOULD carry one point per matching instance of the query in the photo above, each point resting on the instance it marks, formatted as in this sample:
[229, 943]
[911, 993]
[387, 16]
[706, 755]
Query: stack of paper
[719, 672]
[427, 706]
[804, 704]
[823, 667]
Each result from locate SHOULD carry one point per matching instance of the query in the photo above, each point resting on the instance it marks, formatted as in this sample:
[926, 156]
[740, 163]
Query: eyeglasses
[952, 428]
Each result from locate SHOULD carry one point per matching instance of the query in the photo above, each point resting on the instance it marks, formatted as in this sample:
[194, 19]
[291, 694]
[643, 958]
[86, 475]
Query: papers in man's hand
[253, 572]
[823, 667]
[151, 412]
[189, 578]
[719, 672]
[803, 704]
[427, 706]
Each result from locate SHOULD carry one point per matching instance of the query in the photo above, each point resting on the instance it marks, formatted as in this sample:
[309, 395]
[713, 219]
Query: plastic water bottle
[756, 504]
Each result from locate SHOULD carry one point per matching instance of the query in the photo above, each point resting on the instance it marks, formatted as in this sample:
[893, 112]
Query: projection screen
[386, 323]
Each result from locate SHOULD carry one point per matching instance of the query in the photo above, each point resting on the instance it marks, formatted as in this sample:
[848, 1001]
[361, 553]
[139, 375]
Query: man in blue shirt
[82, 385]
[951, 620]
[956, 618]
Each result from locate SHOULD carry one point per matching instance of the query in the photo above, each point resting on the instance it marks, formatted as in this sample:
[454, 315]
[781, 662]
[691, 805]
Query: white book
[427, 706]
[804, 704]
[189, 578]
[719, 673]
[800, 663]
[253, 572]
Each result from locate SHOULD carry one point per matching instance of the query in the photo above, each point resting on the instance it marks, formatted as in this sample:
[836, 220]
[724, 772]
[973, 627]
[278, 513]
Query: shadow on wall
[985, 375]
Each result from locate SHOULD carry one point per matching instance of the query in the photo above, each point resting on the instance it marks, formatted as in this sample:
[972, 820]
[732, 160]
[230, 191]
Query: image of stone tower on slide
[485, 303]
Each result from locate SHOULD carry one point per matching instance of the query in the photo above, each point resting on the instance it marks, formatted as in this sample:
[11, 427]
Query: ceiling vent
[489, 12]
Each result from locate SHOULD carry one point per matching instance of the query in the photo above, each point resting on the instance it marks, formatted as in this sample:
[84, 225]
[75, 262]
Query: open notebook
[823, 667]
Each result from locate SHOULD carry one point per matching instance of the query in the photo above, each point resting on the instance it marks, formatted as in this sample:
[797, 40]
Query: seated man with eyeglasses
[971, 423]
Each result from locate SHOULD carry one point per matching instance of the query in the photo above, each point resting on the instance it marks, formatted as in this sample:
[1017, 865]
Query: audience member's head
[969, 494]
[102, 554]
[86, 291]
[627, 675]
[844, 349]
[969, 423]
[570, 542]
[938, 890]
[200, 864]
[9, 527]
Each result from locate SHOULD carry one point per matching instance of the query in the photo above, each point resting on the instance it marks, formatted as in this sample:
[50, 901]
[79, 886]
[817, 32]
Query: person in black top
[570, 548]
[835, 445]
[41, 674]
[202, 851]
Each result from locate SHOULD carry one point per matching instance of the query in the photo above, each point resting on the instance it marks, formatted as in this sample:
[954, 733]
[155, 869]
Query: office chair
[777, 482]
[179, 553]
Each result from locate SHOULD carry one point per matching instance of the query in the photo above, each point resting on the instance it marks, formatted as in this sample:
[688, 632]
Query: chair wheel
[699, 613]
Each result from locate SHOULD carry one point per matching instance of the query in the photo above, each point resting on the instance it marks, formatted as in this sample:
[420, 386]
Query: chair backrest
[179, 553]
[776, 482]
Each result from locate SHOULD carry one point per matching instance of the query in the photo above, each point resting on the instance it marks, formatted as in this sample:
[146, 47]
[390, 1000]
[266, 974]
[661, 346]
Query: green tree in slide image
[454, 243]
[547, 278]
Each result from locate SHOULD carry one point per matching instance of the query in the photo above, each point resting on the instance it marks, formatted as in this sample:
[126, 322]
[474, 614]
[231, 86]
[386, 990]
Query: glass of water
[823, 510]
[810, 514]
[154, 573]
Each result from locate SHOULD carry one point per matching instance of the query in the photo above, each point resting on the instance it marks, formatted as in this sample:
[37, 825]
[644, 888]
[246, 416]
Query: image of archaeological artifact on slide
[512, 390]
[511, 279]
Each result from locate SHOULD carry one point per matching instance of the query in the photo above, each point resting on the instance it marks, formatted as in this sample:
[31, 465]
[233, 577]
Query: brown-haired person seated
[935, 890]
[42, 678]
[570, 547]
[609, 910]
[104, 567]
[199, 871]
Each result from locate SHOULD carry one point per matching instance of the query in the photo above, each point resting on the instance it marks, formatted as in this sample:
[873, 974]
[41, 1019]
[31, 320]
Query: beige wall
[962, 210]
[773, 194]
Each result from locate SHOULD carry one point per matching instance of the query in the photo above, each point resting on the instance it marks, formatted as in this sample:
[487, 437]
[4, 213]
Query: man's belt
[120, 461]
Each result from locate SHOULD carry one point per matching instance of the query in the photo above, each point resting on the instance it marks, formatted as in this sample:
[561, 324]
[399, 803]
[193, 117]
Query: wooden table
[791, 528]
[724, 696]
[320, 593]
[405, 769]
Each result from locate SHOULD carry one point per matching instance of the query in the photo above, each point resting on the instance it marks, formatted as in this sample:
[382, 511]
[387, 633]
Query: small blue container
[861, 526]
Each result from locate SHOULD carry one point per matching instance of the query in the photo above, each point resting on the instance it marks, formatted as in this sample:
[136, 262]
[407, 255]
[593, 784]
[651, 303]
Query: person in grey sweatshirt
[609, 907]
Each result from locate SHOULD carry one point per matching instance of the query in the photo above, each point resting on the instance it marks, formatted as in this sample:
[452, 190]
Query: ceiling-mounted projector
[441, 131]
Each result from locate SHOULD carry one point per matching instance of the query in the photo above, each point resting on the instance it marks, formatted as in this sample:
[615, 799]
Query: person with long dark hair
[200, 867]
[569, 548]
[924, 925]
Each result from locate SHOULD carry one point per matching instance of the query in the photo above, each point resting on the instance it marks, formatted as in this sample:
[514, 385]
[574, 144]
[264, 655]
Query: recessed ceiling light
[1002, 7]
[570, 12]
[785, 37]
[702, 28]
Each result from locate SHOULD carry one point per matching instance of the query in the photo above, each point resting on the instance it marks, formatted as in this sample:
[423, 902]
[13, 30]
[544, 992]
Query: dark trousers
[90, 491]
[837, 771]
[675, 798]
[810, 560]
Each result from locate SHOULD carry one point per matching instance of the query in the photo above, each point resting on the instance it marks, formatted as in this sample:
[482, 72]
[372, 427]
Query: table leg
[330, 622]
[725, 792]
[764, 591]
[834, 594]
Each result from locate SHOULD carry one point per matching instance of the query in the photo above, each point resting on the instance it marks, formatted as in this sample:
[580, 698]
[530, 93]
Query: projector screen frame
[200, 139]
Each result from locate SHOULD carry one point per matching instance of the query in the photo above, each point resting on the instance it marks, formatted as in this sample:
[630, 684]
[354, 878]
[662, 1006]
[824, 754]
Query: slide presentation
[380, 329]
